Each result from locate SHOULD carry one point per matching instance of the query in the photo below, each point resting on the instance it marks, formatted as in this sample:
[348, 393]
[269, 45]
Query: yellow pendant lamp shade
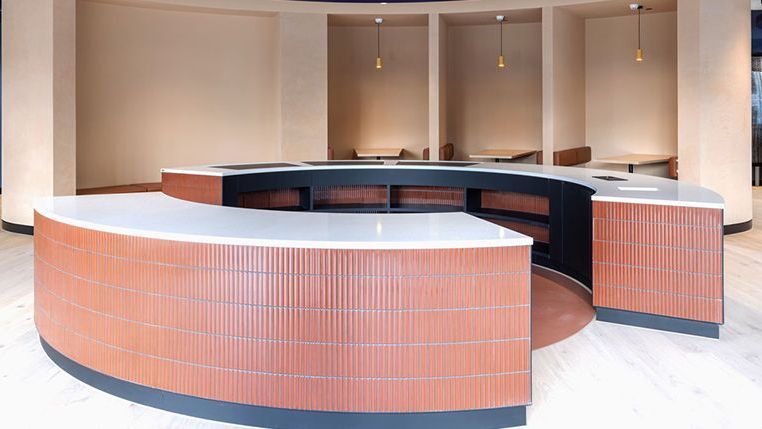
[379, 63]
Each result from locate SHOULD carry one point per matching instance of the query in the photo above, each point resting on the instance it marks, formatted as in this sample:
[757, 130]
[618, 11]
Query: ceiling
[613, 8]
[598, 9]
[390, 20]
[515, 16]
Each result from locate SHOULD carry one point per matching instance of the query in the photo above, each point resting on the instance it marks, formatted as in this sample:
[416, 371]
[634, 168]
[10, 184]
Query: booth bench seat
[569, 157]
[446, 152]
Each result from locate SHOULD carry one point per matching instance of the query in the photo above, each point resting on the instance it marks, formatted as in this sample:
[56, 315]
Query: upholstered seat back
[569, 157]
[573, 156]
[672, 167]
[446, 152]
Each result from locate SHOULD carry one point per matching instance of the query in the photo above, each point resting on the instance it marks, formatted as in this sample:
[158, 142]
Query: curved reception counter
[333, 294]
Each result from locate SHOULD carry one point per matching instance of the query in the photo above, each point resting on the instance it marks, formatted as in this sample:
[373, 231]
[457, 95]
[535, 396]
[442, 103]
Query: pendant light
[639, 53]
[379, 63]
[500, 57]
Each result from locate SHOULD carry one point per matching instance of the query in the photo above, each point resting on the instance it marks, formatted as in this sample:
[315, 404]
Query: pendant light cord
[638, 28]
[501, 37]
[378, 40]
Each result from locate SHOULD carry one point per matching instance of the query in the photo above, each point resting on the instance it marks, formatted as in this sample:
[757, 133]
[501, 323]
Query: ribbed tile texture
[426, 195]
[193, 187]
[372, 195]
[515, 201]
[270, 199]
[656, 259]
[318, 329]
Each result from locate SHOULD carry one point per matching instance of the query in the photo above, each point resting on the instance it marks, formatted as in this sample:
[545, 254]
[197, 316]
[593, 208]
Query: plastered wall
[178, 82]
[159, 88]
[631, 107]
[489, 108]
[370, 108]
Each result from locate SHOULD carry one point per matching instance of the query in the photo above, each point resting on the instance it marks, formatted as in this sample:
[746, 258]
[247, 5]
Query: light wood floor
[605, 376]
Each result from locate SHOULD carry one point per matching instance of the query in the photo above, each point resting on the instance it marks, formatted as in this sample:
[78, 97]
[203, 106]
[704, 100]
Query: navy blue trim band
[737, 227]
[662, 323]
[285, 418]
[18, 229]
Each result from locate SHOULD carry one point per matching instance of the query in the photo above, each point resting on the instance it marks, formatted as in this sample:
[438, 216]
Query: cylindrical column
[39, 119]
[714, 101]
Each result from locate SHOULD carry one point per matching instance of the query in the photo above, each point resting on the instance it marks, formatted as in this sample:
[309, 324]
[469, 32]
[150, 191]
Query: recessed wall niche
[373, 108]
[630, 107]
[490, 107]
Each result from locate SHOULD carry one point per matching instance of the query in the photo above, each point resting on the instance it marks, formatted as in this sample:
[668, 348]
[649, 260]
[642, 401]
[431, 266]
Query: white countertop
[155, 215]
[638, 188]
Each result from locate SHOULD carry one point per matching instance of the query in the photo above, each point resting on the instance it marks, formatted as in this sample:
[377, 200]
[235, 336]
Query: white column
[39, 108]
[434, 85]
[548, 129]
[714, 100]
[563, 81]
[303, 86]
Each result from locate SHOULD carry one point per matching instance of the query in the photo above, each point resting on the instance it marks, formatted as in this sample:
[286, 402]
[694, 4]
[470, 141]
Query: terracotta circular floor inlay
[561, 307]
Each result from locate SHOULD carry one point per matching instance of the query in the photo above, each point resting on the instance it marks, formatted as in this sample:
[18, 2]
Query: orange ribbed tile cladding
[349, 194]
[193, 187]
[318, 329]
[271, 199]
[427, 195]
[515, 201]
[656, 259]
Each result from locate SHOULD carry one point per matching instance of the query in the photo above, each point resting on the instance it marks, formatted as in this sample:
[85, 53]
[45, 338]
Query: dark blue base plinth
[662, 323]
[285, 418]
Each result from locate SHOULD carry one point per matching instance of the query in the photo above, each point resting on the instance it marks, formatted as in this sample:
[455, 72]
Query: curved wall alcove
[173, 82]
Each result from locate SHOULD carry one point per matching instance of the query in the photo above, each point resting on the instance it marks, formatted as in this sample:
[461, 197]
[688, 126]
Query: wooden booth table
[633, 159]
[503, 154]
[378, 153]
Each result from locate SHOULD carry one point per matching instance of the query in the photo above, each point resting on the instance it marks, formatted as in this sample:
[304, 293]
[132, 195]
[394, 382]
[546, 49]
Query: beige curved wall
[157, 88]
[196, 111]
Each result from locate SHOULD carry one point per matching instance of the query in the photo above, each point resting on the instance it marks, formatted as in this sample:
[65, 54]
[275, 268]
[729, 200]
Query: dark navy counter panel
[569, 221]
